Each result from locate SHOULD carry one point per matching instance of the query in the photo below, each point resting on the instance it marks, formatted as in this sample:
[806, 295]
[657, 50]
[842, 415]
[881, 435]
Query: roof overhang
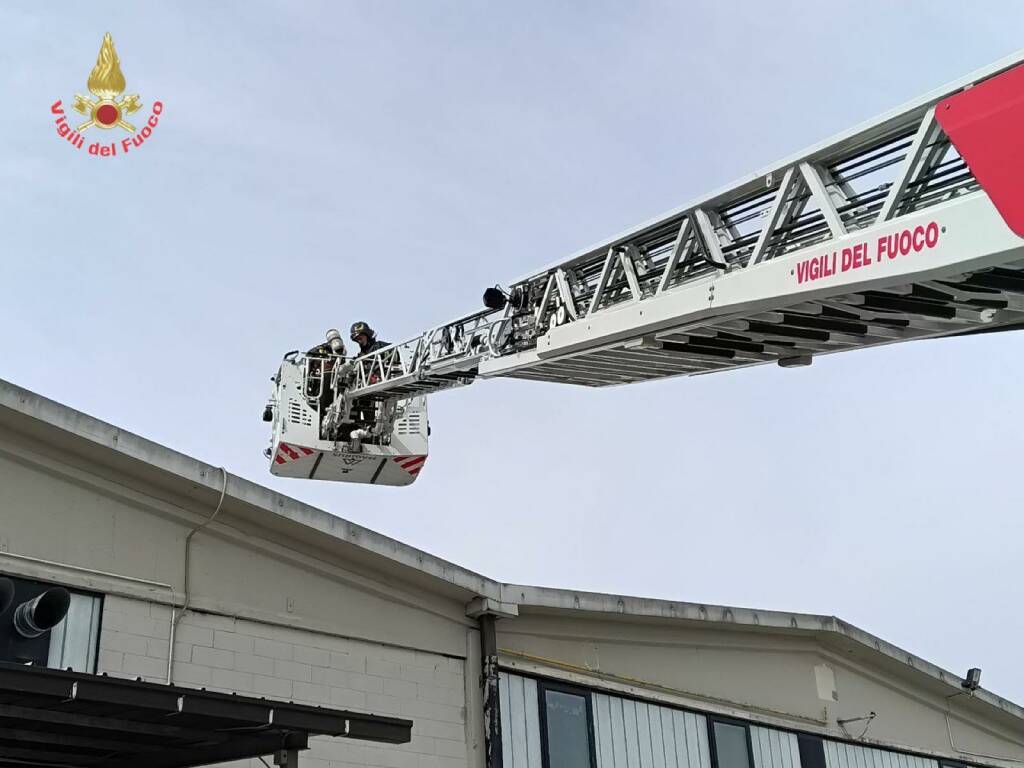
[258, 508]
[831, 632]
[75, 720]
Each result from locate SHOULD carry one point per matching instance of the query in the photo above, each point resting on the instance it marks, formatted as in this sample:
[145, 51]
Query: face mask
[336, 345]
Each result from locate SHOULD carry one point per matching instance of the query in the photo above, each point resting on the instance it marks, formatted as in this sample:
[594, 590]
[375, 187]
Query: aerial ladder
[909, 226]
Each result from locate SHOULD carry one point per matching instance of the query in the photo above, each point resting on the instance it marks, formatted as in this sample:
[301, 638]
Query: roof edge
[198, 473]
[642, 607]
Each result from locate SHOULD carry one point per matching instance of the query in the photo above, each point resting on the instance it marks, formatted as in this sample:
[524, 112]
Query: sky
[321, 163]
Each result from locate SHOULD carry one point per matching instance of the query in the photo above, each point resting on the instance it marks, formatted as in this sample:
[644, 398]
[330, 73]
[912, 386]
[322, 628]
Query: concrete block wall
[226, 654]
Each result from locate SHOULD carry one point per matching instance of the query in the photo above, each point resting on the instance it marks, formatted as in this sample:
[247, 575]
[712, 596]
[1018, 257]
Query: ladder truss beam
[878, 236]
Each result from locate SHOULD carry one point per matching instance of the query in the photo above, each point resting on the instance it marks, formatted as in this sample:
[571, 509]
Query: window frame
[808, 744]
[545, 681]
[713, 742]
[94, 637]
[93, 662]
[543, 686]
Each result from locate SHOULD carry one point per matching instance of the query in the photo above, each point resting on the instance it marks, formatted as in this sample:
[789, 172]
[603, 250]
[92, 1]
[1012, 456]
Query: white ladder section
[879, 235]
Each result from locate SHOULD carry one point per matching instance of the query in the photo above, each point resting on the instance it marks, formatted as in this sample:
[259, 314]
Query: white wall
[775, 677]
[274, 616]
[225, 654]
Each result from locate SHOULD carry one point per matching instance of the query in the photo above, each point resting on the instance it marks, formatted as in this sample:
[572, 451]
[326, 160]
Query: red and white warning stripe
[411, 464]
[286, 453]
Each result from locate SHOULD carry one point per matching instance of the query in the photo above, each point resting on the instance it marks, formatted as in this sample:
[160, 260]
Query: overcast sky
[319, 163]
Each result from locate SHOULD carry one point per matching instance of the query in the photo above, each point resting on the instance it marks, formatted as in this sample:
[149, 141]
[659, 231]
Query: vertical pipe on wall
[473, 671]
[177, 616]
[492, 712]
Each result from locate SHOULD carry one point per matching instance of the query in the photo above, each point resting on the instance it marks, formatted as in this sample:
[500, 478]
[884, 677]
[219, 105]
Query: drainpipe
[176, 617]
[489, 678]
[487, 612]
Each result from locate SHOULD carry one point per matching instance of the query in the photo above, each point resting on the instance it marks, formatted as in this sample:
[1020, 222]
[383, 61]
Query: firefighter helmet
[362, 329]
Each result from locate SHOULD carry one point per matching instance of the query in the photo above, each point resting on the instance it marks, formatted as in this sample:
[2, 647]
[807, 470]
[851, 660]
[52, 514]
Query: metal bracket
[480, 606]
[287, 758]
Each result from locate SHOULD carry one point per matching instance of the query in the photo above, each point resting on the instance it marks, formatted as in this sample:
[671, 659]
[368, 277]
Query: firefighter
[333, 347]
[363, 335]
[366, 338]
[332, 351]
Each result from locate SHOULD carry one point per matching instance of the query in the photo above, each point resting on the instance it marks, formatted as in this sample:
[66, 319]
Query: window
[730, 744]
[73, 642]
[812, 751]
[566, 732]
[48, 625]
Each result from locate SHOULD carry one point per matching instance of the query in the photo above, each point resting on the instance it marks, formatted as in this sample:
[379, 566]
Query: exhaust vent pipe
[41, 614]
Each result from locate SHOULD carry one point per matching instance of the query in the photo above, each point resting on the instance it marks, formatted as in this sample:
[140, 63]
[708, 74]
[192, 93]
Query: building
[182, 572]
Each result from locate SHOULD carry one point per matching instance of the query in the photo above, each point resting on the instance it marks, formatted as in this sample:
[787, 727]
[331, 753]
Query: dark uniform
[321, 350]
[366, 338]
[322, 360]
[363, 335]
[321, 363]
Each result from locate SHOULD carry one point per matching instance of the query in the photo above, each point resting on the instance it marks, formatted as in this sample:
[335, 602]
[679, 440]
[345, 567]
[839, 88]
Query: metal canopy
[70, 719]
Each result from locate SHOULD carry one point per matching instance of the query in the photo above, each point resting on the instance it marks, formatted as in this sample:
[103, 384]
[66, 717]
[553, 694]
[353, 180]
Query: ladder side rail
[565, 292]
[978, 240]
[629, 268]
[454, 347]
[776, 215]
[884, 125]
[456, 340]
[927, 134]
[787, 223]
[602, 281]
[710, 237]
[709, 245]
[679, 249]
[812, 177]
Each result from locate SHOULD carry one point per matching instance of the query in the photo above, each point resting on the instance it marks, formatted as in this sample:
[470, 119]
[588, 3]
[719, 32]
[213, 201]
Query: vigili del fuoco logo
[109, 110]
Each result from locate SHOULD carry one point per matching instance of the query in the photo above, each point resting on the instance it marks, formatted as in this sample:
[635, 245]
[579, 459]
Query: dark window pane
[568, 734]
[812, 751]
[731, 746]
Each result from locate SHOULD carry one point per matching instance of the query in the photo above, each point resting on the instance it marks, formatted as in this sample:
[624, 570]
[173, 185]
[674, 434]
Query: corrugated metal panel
[633, 734]
[838, 755]
[520, 722]
[774, 749]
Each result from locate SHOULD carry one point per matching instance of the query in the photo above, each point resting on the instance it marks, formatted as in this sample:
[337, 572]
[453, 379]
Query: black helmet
[362, 329]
